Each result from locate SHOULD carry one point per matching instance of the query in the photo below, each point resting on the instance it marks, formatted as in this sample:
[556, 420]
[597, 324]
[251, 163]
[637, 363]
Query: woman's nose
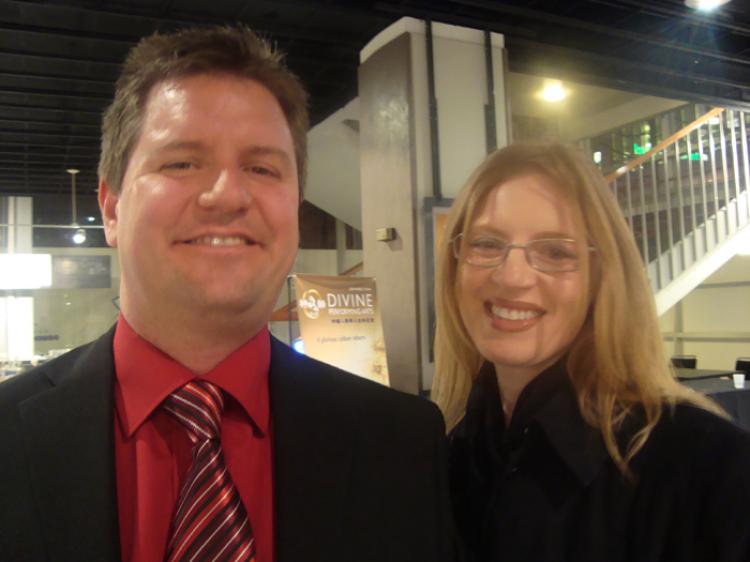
[515, 270]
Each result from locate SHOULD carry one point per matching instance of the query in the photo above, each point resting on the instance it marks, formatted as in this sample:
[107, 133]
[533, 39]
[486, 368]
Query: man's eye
[264, 171]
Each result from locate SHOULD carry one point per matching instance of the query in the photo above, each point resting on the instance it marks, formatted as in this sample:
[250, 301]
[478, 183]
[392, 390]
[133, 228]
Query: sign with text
[339, 321]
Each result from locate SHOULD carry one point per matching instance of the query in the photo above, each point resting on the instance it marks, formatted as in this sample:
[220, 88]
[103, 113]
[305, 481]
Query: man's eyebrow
[258, 150]
[266, 150]
[182, 145]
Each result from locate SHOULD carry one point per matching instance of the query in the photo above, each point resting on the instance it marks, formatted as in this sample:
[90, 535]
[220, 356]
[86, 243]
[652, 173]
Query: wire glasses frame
[548, 255]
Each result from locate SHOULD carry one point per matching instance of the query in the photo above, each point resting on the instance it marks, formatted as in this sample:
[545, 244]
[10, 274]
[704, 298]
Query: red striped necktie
[209, 522]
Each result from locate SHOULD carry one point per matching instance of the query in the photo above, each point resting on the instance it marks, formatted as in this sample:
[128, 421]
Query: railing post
[712, 159]
[703, 191]
[644, 229]
[628, 193]
[735, 166]
[670, 234]
[655, 217]
[725, 174]
[681, 203]
[743, 134]
[694, 226]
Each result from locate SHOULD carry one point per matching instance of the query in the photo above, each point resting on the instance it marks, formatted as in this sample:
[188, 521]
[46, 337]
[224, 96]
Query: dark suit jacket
[359, 470]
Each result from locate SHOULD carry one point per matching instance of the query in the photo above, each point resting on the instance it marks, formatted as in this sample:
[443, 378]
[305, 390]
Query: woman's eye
[486, 244]
[557, 252]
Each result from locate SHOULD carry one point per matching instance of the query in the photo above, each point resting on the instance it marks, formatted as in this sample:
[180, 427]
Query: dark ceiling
[58, 60]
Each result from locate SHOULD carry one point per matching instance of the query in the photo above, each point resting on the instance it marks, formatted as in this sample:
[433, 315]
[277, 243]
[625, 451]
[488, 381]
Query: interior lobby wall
[715, 318]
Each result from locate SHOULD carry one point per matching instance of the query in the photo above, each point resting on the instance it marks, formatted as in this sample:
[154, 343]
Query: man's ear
[108, 201]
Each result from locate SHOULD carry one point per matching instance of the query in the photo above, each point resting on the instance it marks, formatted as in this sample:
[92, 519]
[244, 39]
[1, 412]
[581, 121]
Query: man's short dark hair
[234, 50]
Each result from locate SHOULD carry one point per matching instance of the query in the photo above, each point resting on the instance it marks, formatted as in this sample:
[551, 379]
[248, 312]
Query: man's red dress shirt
[153, 451]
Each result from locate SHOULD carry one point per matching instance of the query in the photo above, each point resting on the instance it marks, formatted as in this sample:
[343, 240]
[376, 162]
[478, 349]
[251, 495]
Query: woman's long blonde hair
[616, 362]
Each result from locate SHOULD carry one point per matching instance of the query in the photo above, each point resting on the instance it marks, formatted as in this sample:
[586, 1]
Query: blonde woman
[571, 439]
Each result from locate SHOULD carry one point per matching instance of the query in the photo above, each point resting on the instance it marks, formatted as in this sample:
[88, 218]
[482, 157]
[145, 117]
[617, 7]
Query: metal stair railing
[688, 194]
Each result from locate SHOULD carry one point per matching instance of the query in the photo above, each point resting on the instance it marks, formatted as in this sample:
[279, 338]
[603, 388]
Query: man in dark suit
[187, 431]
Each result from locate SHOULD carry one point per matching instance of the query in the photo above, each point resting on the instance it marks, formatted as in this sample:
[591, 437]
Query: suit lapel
[68, 432]
[313, 446]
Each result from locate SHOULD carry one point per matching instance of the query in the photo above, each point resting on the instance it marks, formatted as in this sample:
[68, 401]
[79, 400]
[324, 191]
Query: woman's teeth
[512, 314]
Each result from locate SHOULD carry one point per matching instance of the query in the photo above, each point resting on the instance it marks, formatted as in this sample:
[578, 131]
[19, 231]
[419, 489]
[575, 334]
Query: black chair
[684, 361]
[743, 364]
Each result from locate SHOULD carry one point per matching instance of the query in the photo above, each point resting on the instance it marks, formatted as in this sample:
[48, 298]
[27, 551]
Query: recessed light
[553, 91]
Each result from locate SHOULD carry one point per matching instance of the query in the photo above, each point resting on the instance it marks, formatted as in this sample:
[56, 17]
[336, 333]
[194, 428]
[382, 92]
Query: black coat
[545, 489]
[359, 469]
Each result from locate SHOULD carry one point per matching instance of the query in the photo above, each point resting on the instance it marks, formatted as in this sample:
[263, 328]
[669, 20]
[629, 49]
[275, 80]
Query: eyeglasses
[549, 255]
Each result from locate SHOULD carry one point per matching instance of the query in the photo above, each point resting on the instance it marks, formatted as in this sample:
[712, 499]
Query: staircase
[686, 201]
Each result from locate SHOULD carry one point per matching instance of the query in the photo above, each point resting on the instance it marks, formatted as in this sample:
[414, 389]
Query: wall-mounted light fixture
[387, 234]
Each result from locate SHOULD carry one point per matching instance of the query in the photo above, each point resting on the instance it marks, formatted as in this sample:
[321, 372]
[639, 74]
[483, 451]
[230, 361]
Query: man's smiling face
[206, 217]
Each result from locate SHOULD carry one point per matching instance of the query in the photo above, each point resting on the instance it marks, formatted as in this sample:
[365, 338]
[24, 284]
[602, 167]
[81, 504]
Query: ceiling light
[553, 91]
[79, 236]
[705, 5]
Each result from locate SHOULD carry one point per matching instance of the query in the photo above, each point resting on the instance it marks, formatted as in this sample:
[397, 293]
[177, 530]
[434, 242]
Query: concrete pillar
[397, 160]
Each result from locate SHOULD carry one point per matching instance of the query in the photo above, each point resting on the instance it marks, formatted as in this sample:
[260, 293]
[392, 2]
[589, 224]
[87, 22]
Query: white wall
[715, 317]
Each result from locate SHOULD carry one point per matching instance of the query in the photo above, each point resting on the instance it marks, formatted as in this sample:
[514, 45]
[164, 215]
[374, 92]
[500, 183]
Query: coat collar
[314, 437]
[68, 434]
[548, 403]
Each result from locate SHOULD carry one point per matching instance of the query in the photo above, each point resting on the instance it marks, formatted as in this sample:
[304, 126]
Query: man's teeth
[512, 314]
[219, 240]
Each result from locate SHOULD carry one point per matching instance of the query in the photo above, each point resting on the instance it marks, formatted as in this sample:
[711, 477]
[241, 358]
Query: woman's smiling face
[519, 318]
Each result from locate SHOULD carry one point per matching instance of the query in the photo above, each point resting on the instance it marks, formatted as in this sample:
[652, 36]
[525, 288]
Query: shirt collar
[145, 376]
[548, 402]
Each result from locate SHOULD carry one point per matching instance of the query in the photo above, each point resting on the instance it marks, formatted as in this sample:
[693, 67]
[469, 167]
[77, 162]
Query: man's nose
[229, 192]
[515, 271]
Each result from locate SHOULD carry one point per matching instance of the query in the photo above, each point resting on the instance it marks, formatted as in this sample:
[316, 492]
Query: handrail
[284, 313]
[633, 164]
[353, 269]
[289, 311]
